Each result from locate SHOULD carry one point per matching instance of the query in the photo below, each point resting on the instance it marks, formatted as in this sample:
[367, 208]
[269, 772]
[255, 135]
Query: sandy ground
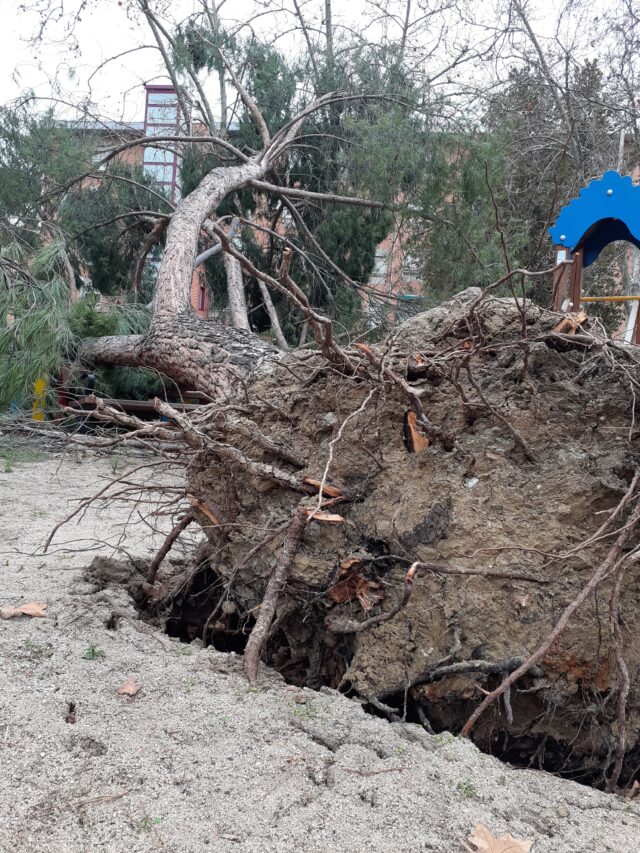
[199, 761]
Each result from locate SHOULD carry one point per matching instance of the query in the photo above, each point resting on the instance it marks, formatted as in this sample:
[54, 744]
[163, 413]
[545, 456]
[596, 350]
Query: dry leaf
[326, 517]
[31, 608]
[414, 439]
[129, 688]
[327, 489]
[484, 842]
[350, 585]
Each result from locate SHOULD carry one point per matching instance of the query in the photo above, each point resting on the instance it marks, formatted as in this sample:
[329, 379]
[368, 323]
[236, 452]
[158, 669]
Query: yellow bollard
[39, 400]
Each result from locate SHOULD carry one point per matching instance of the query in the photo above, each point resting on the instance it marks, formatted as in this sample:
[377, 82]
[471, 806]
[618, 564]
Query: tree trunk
[174, 277]
[195, 353]
[273, 316]
[208, 356]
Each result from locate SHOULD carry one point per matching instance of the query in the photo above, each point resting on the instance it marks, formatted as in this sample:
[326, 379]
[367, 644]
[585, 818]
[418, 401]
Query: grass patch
[93, 652]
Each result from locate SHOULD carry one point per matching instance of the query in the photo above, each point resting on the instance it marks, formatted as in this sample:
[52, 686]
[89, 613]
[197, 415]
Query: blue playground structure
[606, 210]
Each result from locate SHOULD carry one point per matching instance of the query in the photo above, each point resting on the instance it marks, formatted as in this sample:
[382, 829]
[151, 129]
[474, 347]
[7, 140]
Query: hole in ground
[541, 737]
[537, 750]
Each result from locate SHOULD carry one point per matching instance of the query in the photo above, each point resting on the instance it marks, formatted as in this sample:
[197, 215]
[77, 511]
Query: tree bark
[195, 353]
[174, 277]
[235, 292]
[119, 350]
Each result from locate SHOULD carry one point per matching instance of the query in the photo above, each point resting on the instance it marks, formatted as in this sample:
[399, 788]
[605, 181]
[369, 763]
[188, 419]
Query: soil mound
[533, 442]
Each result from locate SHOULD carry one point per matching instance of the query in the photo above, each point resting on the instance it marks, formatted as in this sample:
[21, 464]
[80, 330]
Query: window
[411, 268]
[380, 264]
[161, 119]
[159, 114]
[160, 130]
[96, 160]
[161, 97]
[161, 174]
[158, 155]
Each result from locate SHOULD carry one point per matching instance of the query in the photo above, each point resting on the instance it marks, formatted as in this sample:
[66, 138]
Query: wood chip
[324, 517]
[328, 490]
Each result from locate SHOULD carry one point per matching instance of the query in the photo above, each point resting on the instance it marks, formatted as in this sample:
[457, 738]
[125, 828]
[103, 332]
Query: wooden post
[561, 280]
[575, 285]
[635, 337]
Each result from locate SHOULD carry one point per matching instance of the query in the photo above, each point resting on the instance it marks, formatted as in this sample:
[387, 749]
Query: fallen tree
[418, 520]
[406, 520]
[445, 515]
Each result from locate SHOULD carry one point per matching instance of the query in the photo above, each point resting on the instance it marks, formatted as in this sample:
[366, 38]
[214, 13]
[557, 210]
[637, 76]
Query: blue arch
[606, 210]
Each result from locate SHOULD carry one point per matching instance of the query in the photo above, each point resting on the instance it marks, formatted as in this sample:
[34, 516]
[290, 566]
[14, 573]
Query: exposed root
[623, 672]
[166, 546]
[276, 583]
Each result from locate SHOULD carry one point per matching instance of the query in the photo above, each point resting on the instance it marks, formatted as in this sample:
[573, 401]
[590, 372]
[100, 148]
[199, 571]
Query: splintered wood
[570, 324]
[318, 515]
[204, 509]
[414, 439]
[327, 489]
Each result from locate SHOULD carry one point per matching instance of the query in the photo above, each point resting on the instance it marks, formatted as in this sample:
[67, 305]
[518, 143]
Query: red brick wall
[199, 294]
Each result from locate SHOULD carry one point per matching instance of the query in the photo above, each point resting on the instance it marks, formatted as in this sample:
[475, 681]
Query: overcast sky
[106, 30]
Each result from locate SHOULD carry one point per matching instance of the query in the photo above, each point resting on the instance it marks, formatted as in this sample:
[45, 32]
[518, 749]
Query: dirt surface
[199, 761]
